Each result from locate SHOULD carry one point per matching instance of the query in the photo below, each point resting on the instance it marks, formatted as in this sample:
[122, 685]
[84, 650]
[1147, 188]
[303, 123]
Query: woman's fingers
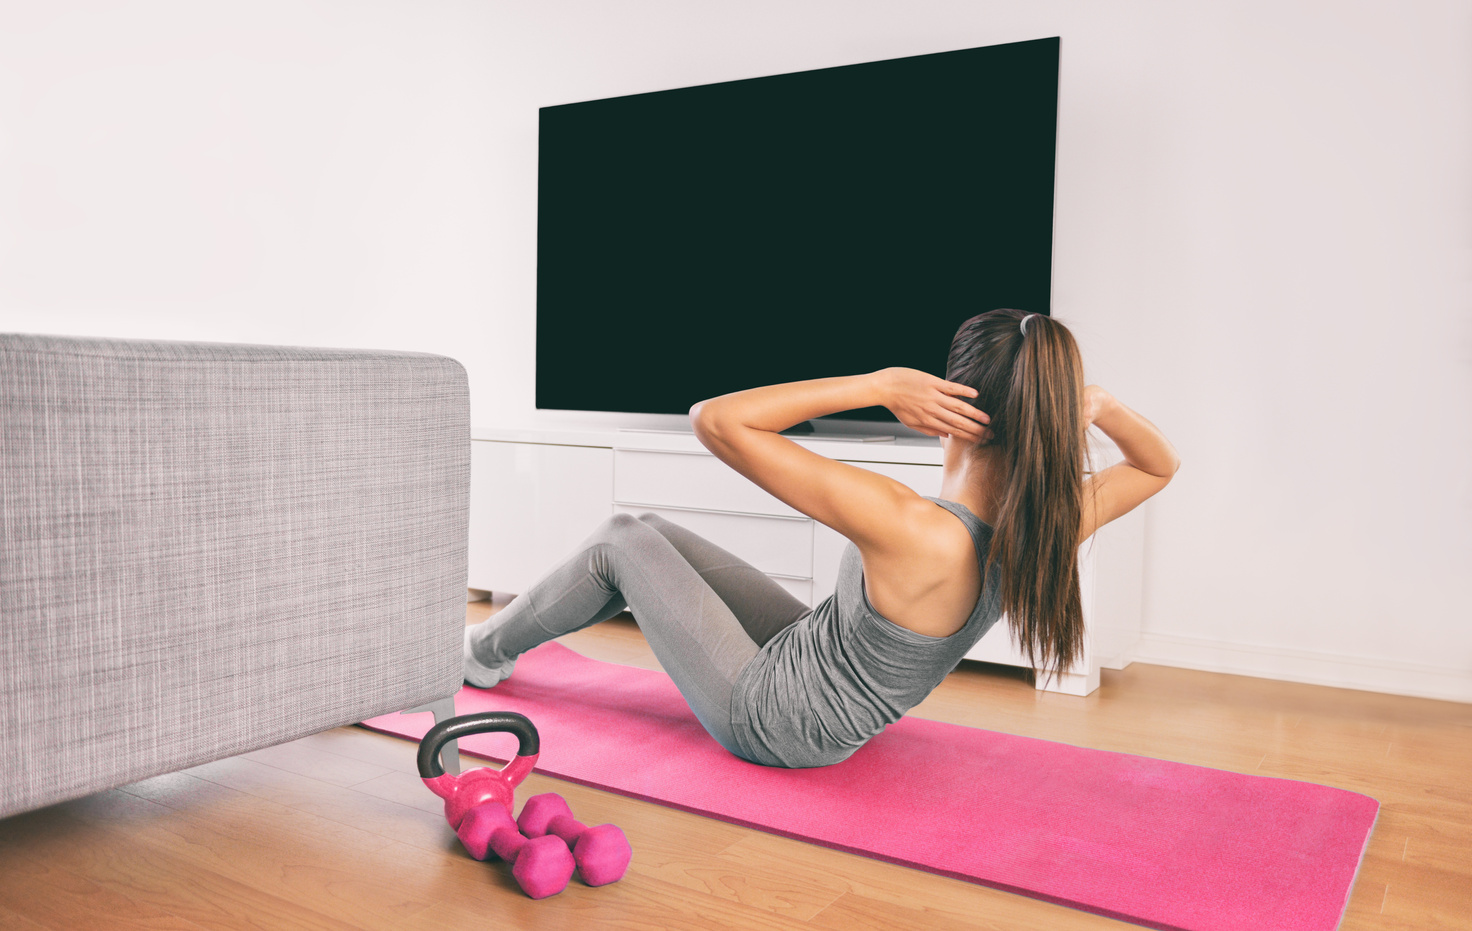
[948, 412]
[967, 428]
[956, 418]
[965, 391]
[968, 410]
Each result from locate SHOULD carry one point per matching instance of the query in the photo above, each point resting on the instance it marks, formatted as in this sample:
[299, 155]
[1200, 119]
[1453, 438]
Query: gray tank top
[825, 685]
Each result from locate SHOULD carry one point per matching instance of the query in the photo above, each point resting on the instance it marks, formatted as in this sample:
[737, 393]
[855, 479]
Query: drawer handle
[664, 452]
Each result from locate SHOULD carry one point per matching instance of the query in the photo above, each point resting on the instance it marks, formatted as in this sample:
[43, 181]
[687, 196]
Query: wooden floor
[336, 831]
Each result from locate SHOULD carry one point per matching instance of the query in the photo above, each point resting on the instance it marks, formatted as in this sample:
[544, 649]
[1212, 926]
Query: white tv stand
[537, 493]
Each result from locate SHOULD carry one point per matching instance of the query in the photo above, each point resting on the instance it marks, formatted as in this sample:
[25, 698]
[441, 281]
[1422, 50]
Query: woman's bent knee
[651, 519]
[624, 532]
[622, 524]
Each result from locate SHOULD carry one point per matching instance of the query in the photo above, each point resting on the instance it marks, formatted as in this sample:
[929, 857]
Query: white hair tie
[1024, 323]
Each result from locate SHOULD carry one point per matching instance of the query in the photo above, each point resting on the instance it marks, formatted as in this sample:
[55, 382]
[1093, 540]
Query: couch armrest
[212, 548]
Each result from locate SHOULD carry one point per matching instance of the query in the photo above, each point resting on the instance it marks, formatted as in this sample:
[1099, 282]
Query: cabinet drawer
[688, 480]
[997, 647]
[771, 544]
[530, 507]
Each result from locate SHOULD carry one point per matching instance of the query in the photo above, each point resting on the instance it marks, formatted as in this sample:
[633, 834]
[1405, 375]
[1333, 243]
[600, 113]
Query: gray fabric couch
[206, 549]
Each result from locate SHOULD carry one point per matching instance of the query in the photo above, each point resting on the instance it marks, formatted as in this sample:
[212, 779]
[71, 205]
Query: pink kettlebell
[478, 803]
[477, 786]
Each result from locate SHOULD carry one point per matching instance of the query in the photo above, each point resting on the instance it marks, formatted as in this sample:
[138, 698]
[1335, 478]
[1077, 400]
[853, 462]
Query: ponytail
[1031, 384]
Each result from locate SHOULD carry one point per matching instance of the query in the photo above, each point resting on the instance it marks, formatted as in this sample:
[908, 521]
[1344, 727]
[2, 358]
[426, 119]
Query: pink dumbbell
[602, 853]
[541, 865]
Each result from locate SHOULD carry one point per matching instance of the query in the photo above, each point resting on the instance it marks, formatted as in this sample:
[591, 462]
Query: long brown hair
[1031, 384]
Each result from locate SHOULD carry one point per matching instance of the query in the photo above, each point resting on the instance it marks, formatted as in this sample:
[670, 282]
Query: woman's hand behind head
[932, 405]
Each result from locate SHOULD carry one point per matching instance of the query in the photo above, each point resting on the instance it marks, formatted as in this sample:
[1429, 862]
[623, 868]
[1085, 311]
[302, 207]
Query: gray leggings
[704, 612]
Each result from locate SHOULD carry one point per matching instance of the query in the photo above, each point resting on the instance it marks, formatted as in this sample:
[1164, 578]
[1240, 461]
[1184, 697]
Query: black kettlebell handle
[466, 724]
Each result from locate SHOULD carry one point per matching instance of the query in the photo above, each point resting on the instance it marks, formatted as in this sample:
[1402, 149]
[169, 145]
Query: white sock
[480, 675]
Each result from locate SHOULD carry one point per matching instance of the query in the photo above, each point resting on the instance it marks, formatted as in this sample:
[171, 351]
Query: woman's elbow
[697, 416]
[702, 421]
[711, 428]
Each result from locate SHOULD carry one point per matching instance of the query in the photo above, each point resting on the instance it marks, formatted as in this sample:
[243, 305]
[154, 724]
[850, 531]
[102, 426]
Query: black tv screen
[702, 240]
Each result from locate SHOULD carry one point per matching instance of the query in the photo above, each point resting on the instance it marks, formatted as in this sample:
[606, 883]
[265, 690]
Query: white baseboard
[1312, 667]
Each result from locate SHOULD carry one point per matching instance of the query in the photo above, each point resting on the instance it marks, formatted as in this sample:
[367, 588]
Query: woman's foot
[480, 675]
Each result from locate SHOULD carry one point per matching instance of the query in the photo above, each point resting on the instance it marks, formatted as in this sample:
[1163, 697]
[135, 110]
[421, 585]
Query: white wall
[1264, 242]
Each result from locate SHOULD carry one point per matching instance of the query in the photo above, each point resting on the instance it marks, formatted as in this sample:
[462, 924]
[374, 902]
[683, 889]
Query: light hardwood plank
[639, 903]
[321, 870]
[877, 894]
[90, 874]
[306, 760]
[392, 755]
[15, 921]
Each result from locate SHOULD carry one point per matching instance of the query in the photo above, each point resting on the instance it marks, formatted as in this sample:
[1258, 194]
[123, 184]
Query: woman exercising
[922, 579]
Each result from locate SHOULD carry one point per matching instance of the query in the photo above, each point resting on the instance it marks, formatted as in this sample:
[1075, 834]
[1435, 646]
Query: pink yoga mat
[1165, 845]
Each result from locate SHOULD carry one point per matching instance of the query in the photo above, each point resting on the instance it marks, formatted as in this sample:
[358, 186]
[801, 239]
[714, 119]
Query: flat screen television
[702, 240]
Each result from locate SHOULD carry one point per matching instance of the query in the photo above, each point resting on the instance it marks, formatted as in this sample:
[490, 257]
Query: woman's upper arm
[1115, 492]
[870, 509]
